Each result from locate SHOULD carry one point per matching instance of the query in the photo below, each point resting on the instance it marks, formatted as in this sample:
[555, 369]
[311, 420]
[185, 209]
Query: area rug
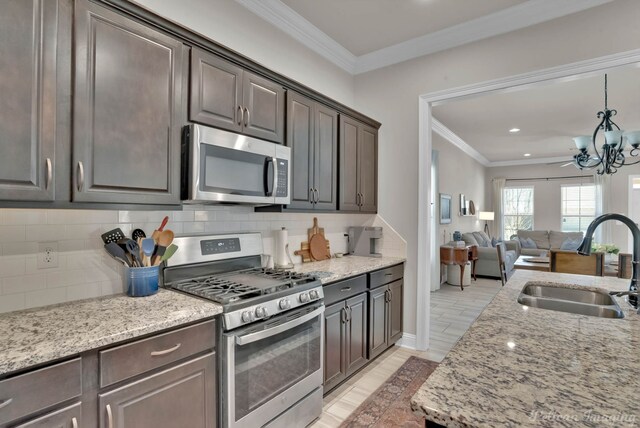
[390, 405]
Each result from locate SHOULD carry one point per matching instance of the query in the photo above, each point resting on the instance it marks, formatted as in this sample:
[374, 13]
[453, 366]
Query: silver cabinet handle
[166, 351]
[345, 289]
[359, 199]
[80, 176]
[5, 403]
[343, 315]
[362, 199]
[348, 312]
[240, 115]
[109, 416]
[317, 195]
[311, 195]
[247, 118]
[74, 422]
[49, 174]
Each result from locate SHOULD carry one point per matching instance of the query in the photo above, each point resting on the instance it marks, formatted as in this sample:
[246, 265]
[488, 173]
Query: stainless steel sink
[559, 297]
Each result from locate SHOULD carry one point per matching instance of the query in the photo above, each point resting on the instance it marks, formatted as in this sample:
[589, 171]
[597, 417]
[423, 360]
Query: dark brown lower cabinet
[69, 417]
[184, 395]
[385, 317]
[345, 339]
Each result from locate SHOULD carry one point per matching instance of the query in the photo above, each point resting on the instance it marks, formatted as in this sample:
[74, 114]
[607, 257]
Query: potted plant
[610, 250]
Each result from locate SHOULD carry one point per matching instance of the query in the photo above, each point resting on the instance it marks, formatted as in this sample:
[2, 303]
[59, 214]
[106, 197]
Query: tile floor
[452, 312]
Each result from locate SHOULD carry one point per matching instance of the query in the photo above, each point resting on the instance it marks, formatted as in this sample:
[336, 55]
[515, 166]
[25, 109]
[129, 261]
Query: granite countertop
[335, 269]
[523, 366]
[39, 335]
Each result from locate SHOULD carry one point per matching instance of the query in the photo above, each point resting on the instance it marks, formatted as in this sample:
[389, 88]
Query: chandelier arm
[595, 133]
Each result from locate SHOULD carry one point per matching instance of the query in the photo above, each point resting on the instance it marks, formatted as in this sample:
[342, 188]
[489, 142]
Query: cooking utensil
[156, 233]
[114, 235]
[117, 252]
[134, 250]
[148, 247]
[138, 233]
[165, 238]
[171, 250]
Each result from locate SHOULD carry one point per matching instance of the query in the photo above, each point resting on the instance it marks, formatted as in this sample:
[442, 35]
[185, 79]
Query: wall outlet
[47, 255]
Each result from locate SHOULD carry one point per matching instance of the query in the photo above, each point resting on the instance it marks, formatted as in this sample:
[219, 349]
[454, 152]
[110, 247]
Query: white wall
[391, 96]
[234, 26]
[459, 173]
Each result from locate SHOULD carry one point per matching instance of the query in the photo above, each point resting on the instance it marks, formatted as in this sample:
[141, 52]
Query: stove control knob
[284, 304]
[246, 316]
[304, 297]
[261, 312]
[313, 294]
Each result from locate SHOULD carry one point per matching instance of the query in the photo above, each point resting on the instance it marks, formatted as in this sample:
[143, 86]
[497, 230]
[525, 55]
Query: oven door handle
[254, 337]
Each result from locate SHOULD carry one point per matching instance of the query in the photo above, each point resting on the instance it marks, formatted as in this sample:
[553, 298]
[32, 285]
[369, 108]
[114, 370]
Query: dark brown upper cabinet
[127, 101]
[312, 134]
[358, 166]
[226, 96]
[28, 92]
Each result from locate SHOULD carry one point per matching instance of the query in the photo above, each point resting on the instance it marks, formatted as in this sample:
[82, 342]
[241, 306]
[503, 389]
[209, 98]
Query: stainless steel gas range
[270, 341]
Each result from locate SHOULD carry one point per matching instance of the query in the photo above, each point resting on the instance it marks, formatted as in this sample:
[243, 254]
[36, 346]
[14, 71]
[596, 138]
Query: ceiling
[363, 26]
[364, 35]
[548, 116]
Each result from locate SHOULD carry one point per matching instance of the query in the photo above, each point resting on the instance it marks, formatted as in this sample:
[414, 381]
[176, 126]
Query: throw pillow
[495, 242]
[571, 244]
[528, 243]
[483, 240]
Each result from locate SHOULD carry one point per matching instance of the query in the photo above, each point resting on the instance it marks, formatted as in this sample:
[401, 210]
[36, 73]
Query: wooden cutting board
[304, 252]
[318, 244]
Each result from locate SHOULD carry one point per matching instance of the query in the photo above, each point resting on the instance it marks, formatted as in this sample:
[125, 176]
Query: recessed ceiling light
[511, 345]
[526, 155]
[514, 130]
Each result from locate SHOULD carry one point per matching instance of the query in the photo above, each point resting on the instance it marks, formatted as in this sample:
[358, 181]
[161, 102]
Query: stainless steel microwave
[224, 167]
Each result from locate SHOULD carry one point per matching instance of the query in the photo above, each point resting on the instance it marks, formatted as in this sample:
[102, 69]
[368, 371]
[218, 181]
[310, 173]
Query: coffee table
[522, 263]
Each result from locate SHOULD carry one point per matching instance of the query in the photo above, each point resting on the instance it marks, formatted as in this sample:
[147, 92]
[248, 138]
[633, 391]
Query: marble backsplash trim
[84, 270]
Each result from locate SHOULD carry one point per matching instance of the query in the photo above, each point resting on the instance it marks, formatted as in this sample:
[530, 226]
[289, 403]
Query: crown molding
[296, 26]
[531, 161]
[513, 18]
[439, 128]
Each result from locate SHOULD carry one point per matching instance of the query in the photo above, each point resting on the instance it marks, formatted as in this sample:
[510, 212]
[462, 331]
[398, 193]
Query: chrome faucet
[585, 250]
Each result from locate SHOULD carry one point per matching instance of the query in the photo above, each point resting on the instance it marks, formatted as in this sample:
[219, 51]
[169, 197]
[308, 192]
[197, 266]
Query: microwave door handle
[260, 335]
[269, 175]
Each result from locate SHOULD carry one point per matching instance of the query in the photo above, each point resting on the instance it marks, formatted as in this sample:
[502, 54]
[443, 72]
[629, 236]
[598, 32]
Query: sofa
[487, 263]
[545, 240]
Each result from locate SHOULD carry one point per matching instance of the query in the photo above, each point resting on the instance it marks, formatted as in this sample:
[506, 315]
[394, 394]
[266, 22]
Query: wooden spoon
[156, 233]
[165, 238]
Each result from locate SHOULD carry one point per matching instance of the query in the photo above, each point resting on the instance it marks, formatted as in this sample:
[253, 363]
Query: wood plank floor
[452, 312]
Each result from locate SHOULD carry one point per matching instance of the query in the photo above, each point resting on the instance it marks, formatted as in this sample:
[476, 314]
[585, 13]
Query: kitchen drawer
[34, 391]
[123, 362]
[344, 289]
[385, 276]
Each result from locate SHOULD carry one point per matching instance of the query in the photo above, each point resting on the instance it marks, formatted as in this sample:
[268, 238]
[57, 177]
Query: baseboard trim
[407, 341]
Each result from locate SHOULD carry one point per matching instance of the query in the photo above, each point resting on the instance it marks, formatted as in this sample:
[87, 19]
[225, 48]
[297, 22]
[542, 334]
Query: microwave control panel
[283, 178]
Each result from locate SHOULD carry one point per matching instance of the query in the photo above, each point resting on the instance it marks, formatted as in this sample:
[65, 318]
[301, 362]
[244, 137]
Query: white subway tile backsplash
[85, 270]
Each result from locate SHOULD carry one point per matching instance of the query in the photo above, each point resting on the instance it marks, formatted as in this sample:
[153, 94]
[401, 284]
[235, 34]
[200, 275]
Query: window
[578, 207]
[517, 210]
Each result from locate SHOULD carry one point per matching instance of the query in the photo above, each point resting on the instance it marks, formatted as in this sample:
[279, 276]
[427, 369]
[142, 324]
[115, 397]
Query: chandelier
[610, 156]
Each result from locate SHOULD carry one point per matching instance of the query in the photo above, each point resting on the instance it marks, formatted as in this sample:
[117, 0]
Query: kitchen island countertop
[524, 366]
[336, 269]
[35, 336]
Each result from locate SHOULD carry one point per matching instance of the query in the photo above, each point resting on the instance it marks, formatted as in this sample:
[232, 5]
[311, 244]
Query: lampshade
[486, 215]
[582, 142]
[633, 137]
[614, 137]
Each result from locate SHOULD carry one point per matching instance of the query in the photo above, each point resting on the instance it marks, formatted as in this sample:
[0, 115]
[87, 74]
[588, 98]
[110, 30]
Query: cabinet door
[334, 329]
[395, 312]
[215, 91]
[263, 101]
[300, 135]
[349, 136]
[368, 169]
[183, 396]
[28, 52]
[356, 338]
[128, 92]
[69, 417]
[378, 321]
[326, 158]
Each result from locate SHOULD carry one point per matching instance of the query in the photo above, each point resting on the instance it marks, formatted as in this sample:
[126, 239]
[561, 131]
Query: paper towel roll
[281, 258]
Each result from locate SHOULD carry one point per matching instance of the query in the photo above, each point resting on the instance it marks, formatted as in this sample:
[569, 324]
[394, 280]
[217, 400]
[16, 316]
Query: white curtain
[602, 183]
[498, 220]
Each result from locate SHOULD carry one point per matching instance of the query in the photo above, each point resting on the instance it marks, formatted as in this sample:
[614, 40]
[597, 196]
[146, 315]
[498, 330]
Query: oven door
[233, 168]
[270, 366]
